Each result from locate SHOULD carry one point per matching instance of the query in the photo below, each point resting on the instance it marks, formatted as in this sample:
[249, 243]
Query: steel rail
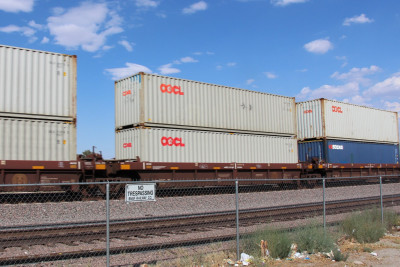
[142, 228]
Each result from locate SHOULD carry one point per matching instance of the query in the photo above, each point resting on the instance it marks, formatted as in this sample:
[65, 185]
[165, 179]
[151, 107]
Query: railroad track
[160, 226]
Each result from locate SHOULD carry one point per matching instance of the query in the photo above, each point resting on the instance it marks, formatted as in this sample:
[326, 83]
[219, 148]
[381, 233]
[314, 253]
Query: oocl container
[37, 83]
[27, 139]
[341, 151]
[154, 100]
[322, 118]
[177, 145]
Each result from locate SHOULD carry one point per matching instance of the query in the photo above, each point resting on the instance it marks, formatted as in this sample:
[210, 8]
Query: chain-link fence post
[108, 223]
[380, 190]
[237, 218]
[324, 203]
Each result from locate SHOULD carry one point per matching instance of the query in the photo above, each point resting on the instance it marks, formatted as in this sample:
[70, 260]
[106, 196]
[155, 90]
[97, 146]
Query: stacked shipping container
[37, 105]
[193, 121]
[338, 132]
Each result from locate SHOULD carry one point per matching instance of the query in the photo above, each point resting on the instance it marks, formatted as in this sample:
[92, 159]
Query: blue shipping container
[338, 151]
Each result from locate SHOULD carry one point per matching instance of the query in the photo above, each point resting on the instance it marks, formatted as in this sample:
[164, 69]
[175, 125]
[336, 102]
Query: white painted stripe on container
[203, 146]
[23, 139]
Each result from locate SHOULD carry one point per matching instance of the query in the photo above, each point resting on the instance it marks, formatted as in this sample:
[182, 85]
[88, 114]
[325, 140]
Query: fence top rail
[267, 181]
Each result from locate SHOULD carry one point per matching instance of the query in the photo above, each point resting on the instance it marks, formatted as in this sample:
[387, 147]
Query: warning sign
[140, 192]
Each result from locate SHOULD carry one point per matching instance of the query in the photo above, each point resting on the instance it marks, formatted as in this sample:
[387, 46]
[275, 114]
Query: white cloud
[33, 24]
[229, 65]
[45, 40]
[146, 3]
[320, 46]
[57, 11]
[286, 2]
[304, 93]
[302, 70]
[25, 31]
[199, 6]
[184, 60]
[16, 6]
[168, 69]
[107, 47]
[342, 58]
[270, 75]
[357, 19]
[357, 99]
[250, 81]
[392, 106]
[188, 60]
[130, 69]
[330, 91]
[161, 15]
[127, 45]
[389, 87]
[86, 26]
[357, 74]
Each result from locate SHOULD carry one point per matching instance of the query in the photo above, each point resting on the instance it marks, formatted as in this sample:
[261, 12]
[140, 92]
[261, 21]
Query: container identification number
[337, 147]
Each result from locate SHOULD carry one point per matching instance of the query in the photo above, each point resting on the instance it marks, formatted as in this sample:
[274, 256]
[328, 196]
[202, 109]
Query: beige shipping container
[37, 84]
[26, 139]
[322, 118]
[176, 145]
[154, 100]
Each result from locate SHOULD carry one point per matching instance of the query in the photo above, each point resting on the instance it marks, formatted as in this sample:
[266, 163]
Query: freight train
[174, 129]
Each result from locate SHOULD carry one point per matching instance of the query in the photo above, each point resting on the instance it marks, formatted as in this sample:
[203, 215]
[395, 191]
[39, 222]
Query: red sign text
[171, 89]
[171, 141]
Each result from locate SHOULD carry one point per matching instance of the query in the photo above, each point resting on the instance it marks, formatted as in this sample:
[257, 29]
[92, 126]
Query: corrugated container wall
[339, 151]
[153, 100]
[329, 119]
[37, 83]
[27, 139]
[169, 145]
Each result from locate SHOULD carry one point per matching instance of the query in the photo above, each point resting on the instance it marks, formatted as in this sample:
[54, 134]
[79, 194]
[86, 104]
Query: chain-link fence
[161, 222]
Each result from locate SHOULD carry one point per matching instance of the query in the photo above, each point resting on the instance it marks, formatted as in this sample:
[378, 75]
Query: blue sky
[347, 50]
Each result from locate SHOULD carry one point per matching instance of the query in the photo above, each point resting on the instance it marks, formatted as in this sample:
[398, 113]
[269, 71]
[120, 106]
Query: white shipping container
[154, 100]
[176, 145]
[25, 139]
[37, 82]
[322, 118]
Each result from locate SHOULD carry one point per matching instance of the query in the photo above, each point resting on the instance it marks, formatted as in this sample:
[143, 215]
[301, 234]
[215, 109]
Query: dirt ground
[386, 253]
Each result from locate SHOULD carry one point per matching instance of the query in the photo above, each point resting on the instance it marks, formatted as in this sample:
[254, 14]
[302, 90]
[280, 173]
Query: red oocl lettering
[125, 145]
[125, 93]
[169, 141]
[308, 111]
[167, 88]
[337, 109]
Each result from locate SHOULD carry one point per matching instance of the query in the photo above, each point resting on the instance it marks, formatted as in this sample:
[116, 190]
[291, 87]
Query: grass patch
[366, 226]
[339, 256]
[279, 243]
[367, 249]
[312, 238]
